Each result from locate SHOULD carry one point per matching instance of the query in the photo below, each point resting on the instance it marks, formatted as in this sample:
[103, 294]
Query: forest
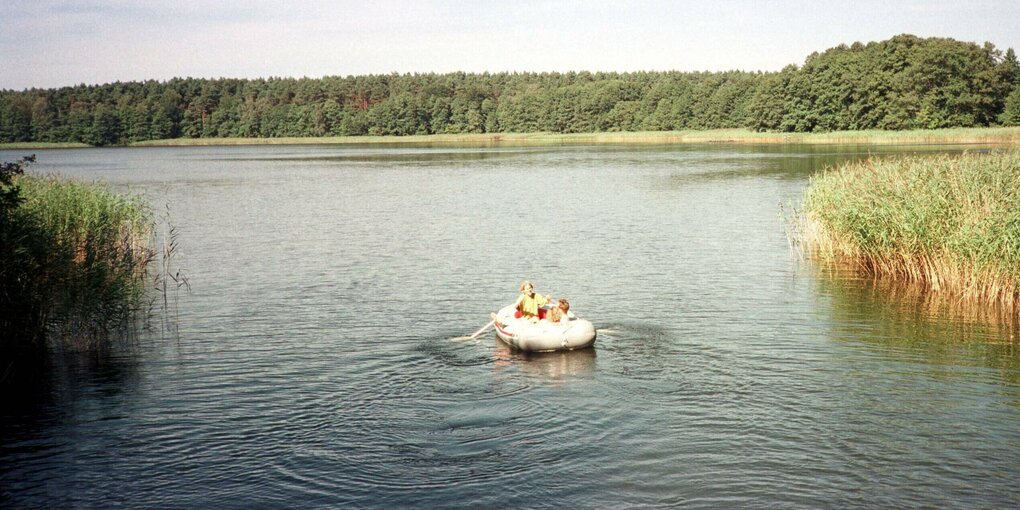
[905, 82]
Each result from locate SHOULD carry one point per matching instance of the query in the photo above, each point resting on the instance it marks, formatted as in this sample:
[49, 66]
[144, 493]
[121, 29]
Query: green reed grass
[951, 223]
[43, 145]
[91, 251]
[996, 135]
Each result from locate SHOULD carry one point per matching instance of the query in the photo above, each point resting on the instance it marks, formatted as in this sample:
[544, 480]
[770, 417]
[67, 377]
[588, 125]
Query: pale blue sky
[52, 43]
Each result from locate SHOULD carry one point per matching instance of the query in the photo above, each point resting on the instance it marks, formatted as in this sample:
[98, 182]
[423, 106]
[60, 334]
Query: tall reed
[951, 223]
[169, 279]
[85, 253]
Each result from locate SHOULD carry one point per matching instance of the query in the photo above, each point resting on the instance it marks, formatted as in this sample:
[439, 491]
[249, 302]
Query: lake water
[314, 366]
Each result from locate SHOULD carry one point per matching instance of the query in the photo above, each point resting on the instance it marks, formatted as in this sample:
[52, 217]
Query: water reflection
[556, 367]
[905, 322]
[787, 162]
[58, 391]
[399, 156]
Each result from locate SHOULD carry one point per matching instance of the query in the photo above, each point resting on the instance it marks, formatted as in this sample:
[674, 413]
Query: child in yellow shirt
[529, 305]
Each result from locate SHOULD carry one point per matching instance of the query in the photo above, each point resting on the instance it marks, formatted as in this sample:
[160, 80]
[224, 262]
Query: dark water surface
[314, 365]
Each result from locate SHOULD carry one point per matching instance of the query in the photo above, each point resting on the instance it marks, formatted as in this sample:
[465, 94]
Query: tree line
[905, 82]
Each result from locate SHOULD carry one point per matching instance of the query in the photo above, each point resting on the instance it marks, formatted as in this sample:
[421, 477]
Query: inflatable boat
[543, 336]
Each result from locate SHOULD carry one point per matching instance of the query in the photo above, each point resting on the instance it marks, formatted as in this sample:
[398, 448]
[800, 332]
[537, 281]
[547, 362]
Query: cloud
[54, 43]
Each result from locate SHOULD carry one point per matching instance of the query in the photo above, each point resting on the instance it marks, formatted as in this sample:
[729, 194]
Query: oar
[483, 330]
[476, 333]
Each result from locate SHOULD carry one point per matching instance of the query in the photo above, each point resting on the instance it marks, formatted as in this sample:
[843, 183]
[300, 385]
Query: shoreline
[952, 136]
[43, 145]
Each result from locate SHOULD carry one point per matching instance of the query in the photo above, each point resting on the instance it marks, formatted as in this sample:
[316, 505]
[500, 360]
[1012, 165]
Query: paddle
[483, 330]
[476, 333]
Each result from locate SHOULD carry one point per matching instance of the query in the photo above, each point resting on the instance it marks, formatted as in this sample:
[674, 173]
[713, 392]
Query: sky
[51, 43]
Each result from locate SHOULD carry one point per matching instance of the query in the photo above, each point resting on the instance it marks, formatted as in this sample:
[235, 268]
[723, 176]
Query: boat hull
[543, 336]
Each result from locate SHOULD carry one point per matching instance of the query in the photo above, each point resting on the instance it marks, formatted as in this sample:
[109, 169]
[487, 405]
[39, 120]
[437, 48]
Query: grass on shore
[42, 145]
[950, 223]
[983, 135]
[997, 135]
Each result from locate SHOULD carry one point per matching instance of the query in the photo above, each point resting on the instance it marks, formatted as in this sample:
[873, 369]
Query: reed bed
[86, 250]
[949, 223]
[997, 135]
[43, 145]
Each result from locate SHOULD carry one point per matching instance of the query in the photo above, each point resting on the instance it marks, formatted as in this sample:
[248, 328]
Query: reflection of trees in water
[54, 391]
[944, 330]
[779, 161]
[44, 387]
[549, 366]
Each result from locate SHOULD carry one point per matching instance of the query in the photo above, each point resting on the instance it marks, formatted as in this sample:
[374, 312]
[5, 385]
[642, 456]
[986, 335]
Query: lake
[313, 363]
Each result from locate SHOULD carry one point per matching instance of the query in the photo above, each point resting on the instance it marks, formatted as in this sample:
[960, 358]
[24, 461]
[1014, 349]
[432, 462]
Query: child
[554, 314]
[560, 312]
[564, 307]
[529, 305]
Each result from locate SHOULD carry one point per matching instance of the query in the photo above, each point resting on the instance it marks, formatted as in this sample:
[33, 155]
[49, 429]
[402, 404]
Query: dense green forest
[905, 82]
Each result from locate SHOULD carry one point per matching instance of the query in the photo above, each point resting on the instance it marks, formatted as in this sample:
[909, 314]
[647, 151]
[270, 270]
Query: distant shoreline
[42, 145]
[952, 136]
